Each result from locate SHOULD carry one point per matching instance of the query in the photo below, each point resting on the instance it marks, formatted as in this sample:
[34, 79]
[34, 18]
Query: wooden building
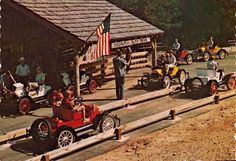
[51, 32]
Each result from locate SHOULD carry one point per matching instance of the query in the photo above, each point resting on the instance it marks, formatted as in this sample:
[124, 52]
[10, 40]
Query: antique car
[207, 82]
[159, 77]
[67, 125]
[206, 53]
[17, 93]
[86, 81]
[183, 56]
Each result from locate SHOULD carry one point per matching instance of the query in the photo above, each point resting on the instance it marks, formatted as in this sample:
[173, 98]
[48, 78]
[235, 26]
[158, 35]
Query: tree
[192, 21]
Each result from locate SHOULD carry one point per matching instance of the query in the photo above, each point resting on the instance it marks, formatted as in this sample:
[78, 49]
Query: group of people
[122, 63]
[176, 46]
[23, 75]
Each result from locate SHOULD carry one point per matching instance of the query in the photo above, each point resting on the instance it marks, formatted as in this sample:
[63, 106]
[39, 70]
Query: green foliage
[192, 21]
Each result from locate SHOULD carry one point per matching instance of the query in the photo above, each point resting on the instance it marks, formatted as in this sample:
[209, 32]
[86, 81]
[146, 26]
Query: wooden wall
[23, 36]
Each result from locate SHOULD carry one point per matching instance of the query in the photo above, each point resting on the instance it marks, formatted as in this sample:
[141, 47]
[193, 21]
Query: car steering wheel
[79, 100]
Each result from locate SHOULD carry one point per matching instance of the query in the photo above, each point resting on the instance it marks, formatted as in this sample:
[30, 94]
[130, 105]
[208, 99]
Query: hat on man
[22, 59]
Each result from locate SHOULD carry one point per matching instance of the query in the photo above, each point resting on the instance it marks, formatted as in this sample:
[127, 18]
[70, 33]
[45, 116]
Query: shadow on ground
[31, 147]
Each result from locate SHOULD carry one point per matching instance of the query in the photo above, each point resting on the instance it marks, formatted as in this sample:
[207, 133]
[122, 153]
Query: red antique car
[67, 125]
[182, 56]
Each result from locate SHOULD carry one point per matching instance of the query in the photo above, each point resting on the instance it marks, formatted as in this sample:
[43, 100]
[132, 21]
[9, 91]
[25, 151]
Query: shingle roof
[81, 17]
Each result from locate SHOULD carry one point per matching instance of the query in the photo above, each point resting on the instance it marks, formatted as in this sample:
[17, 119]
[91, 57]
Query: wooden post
[217, 99]
[77, 72]
[154, 54]
[103, 73]
[45, 158]
[118, 133]
[172, 114]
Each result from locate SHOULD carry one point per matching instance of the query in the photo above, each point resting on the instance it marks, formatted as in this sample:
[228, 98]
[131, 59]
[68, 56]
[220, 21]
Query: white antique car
[25, 97]
[207, 81]
[86, 82]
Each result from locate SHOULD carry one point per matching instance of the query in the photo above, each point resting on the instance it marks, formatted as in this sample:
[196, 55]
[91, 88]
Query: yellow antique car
[159, 77]
[206, 53]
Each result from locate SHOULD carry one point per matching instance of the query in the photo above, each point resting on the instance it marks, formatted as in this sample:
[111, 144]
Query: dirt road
[205, 137]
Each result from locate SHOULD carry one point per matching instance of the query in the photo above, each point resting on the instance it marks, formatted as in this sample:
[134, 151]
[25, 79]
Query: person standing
[22, 71]
[119, 64]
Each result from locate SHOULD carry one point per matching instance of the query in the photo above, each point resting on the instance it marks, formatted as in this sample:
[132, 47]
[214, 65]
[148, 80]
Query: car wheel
[107, 123]
[182, 77]
[222, 54]
[187, 84]
[189, 59]
[145, 81]
[231, 83]
[40, 130]
[92, 86]
[206, 56]
[166, 81]
[212, 88]
[196, 84]
[65, 137]
[25, 106]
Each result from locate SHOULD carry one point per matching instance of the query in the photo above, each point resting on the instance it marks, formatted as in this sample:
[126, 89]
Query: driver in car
[71, 103]
[39, 80]
[210, 43]
[212, 64]
[171, 61]
[176, 46]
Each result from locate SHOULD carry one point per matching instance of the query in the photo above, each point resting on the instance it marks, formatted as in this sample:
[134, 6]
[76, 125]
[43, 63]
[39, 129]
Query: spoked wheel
[222, 54]
[24, 106]
[145, 81]
[231, 83]
[40, 130]
[189, 59]
[212, 88]
[182, 77]
[65, 137]
[107, 123]
[92, 86]
[166, 81]
[206, 56]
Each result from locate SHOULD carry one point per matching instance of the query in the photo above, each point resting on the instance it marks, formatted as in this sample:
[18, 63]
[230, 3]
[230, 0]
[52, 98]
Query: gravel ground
[206, 137]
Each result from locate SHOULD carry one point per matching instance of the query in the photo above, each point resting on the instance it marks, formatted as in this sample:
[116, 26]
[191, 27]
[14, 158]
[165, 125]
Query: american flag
[103, 44]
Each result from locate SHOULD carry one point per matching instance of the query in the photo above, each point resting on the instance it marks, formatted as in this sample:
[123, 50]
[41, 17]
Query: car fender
[26, 96]
[98, 119]
[227, 76]
[212, 80]
[146, 74]
[63, 128]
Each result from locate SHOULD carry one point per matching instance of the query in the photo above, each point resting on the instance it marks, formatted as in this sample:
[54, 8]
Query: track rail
[13, 135]
[129, 127]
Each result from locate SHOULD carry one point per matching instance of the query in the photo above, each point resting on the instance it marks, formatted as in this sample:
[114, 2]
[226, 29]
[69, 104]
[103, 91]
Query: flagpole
[77, 60]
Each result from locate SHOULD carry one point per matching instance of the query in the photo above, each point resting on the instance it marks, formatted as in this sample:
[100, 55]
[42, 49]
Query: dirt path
[205, 137]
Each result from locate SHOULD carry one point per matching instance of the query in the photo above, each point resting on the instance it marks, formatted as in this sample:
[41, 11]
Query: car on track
[206, 53]
[207, 81]
[183, 56]
[67, 126]
[16, 93]
[159, 77]
[86, 82]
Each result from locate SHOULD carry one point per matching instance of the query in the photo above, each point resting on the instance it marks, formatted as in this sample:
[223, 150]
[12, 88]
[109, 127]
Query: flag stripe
[103, 44]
